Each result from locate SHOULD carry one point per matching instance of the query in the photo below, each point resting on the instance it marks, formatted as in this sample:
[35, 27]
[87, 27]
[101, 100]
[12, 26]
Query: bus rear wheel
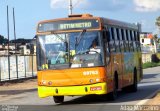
[134, 86]
[58, 99]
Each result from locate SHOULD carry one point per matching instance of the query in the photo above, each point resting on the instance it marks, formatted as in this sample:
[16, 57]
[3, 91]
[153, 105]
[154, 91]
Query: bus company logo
[87, 73]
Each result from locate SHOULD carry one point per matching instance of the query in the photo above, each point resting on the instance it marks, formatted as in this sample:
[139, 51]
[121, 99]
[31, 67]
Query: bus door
[108, 47]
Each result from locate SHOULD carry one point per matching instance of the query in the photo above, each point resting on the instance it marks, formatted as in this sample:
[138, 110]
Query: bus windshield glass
[69, 50]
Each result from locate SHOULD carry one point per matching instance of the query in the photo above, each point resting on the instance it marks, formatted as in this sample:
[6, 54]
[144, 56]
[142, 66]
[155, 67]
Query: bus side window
[131, 40]
[107, 47]
[116, 33]
[138, 41]
[112, 42]
[123, 39]
[134, 41]
[127, 40]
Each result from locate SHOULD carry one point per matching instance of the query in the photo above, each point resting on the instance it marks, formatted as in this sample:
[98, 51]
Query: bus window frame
[105, 44]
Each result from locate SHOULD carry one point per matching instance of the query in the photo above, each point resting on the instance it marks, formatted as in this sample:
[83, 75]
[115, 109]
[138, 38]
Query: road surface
[29, 101]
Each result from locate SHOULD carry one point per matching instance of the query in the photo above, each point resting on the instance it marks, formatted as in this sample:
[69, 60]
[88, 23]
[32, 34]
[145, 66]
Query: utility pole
[14, 26]
[8, 43]
[70, 7]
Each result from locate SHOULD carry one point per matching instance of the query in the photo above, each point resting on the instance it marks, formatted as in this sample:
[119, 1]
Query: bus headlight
[43, 83]
[91, 80]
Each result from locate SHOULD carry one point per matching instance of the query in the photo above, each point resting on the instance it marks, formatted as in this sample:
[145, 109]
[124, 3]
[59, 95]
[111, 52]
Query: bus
[86, 55]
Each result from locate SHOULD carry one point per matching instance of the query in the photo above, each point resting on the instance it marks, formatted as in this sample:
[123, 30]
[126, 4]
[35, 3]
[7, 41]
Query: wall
[24, 67]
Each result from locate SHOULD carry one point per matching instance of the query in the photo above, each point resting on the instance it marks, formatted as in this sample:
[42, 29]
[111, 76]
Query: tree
[158, 23]
[3, 40]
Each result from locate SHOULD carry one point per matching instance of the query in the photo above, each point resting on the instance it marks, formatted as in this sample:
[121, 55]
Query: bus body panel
[72, 77]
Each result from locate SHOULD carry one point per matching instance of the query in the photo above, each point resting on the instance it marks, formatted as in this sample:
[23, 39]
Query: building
[148, 43]
[19, 46]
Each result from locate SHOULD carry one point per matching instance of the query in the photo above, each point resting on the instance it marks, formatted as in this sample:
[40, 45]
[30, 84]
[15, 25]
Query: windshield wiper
[59, 37]
[79, 38]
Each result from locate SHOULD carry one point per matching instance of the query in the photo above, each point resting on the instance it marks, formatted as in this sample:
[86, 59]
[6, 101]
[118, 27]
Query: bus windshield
[69, 50]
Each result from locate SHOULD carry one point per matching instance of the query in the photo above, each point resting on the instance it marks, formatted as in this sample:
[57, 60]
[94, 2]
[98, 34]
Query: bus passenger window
[112, 33]
[134, 41]
[127, 40]
[122, 33]
[116, 32]
[112, 41]
[123, 40]
[131, 40]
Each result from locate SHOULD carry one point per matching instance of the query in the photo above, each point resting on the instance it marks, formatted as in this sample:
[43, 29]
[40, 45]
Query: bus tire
[134, 87]
[113, 95]
[58, 99]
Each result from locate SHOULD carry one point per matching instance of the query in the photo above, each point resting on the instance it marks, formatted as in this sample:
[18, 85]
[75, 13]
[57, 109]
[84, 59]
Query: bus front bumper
[99, 88]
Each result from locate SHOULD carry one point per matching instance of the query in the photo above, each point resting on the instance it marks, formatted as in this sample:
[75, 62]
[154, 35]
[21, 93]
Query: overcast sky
[29, 12]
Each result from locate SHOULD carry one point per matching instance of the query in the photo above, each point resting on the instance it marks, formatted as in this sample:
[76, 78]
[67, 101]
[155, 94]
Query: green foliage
[158, 21]
[155, 61]
[3, 40]
[150, 64]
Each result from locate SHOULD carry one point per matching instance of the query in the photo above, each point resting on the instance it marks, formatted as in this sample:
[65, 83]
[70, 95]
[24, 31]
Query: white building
[148, 43]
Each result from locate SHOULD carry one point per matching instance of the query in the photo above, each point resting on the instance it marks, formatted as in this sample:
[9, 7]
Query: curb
[142, 102]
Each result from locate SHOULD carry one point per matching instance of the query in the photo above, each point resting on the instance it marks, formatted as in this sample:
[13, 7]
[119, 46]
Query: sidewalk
[155, 100]
[8, 90]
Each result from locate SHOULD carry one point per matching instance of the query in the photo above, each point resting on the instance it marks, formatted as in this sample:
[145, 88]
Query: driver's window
[106, 45]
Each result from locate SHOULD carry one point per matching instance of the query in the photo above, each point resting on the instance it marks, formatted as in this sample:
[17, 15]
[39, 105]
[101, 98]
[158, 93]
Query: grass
[150, 64]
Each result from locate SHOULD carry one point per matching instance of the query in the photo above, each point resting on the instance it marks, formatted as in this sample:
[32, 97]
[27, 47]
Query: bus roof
[103, 21]
[117, 23]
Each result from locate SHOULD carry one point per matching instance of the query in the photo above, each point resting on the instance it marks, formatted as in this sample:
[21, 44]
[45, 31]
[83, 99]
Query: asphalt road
[29, 101]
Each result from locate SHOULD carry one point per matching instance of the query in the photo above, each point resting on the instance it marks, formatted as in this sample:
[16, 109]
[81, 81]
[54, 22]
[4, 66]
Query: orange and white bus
[84, 55]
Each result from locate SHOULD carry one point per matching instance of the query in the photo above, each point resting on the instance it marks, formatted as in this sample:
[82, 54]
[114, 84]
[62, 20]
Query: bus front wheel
[58, 99]
[113, 95]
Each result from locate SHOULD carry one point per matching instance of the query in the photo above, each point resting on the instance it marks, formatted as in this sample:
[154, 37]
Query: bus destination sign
[75, 25]
[68, 25]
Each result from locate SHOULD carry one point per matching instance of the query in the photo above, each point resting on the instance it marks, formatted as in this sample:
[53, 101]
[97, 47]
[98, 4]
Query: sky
[29, 12]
